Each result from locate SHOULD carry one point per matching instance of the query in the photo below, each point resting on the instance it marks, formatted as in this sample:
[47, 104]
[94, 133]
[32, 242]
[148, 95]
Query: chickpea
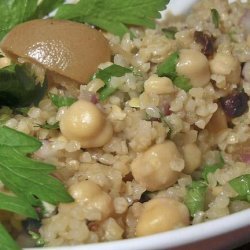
[246, 71]
[101, 139]
[192, 157]
[154, 169]
[91, 195]
[185, 38]
[158, 85]
[160, 215]
[228, 65]
[194, 65]
[84, 122]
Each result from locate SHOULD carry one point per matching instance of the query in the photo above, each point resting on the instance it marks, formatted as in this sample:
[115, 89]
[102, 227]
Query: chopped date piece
[235, 105]
[166, 109]
[207, 42]
[94, 99]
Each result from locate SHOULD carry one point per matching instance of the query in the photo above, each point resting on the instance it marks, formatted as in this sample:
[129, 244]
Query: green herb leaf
[14, 12]
[47, 6]
[50, 126]
[168, 69]
[208, 169]
[182, 82]
[215, 17]
[170, 32]
[7, 243]
[61, 101]
[17, 205]
[114, 15]
[195, 197]
[24, 176]
[19, 141]
[105, 75]
[28, 178]
[23, 111]
[18, 87]
[37, 238]
[241, 185]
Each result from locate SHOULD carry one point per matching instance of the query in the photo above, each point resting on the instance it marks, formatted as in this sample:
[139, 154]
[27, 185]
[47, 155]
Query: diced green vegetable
[208, 169]
[182, 82]
[105, 75]
[170, 32]
[50, 126]
[18, 87]
[17, 205]
[168, 67]
[241, 185]
[61, 101]
[195, 197]
[215, 17]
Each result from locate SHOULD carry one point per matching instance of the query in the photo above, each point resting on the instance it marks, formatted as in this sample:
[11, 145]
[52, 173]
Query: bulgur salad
[116, 125]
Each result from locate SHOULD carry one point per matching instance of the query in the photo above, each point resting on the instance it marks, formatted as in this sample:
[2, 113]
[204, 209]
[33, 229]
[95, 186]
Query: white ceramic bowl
[224, 233]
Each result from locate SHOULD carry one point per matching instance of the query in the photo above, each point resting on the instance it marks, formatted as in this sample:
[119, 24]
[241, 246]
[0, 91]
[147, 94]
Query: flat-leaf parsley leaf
[29, 180]
[168, 69]
[61, 101]
[6, 240]
[114, 15]
[215, 17]
[105, 75]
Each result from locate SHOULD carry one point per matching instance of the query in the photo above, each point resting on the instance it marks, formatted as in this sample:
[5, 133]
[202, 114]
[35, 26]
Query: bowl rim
[171, 239]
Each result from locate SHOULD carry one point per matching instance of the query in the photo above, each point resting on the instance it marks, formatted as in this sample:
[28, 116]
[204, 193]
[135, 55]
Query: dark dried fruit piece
[235, 104]
[207, 42]
[145, 197]
[31, 225]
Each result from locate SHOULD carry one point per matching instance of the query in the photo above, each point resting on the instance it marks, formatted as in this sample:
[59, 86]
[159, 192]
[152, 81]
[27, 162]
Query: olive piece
[31, 225]
[145, 197]
[70, 51]
[235, 104]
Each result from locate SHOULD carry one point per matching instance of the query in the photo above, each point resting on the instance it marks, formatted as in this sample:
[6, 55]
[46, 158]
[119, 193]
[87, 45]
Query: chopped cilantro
[105, 75]
[168, 69]
[61, 101]
[170, 32]
[215, 18]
